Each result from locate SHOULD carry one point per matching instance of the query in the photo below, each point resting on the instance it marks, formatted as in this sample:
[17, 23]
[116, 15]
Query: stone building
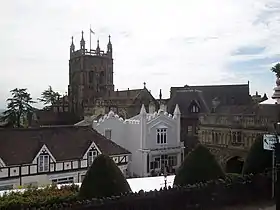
[91, 89]
[230, 131]
[194, 100]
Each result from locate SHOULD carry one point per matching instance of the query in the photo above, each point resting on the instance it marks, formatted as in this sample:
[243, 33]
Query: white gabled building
[60, 154]
[152, 138]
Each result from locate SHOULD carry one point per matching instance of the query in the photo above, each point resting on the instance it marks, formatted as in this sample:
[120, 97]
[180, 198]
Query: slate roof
[227, 94]
[184, 98]
[131, 94]
[204, 95]
[20, 146]
[271, 111]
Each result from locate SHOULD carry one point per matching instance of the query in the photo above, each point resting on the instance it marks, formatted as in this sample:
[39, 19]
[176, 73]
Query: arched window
[194, 109]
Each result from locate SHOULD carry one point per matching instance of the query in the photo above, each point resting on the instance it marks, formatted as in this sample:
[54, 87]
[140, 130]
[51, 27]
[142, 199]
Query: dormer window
[194, 109]
[91, 156]
[43, 163]
[162, 135]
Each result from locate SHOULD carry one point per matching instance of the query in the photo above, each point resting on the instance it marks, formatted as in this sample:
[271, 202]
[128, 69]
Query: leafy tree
[258, 159]
[103, 179]
[199, 166]
[276, 69]
[19, 106]
[49, 96]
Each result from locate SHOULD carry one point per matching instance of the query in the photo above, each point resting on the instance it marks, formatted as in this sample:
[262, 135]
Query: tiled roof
[20, 146]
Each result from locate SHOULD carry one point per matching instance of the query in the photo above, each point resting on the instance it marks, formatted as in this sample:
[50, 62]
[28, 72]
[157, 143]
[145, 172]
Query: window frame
[161, 136]
[64, 180]
[91, 155]
[43, 162]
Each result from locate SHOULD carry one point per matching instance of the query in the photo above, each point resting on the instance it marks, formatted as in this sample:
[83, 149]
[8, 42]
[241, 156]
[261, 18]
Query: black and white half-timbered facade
[61, 154]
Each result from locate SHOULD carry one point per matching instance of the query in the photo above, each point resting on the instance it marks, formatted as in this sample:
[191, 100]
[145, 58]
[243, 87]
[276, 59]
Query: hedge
[214, 194]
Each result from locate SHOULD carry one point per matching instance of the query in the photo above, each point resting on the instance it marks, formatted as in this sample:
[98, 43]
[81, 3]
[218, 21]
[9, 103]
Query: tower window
[90, 77]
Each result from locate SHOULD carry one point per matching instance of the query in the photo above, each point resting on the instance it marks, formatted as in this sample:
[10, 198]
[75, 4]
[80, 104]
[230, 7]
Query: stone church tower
[90, 75]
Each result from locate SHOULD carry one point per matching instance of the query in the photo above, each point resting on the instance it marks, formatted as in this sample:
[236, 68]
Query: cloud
[164, 43]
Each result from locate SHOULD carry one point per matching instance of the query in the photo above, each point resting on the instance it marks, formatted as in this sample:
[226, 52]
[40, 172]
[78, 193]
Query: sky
[161, 42]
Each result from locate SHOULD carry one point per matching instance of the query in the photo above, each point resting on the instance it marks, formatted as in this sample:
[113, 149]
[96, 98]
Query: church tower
[90, 75]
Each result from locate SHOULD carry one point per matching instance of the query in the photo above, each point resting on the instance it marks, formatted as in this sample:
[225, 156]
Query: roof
[269, 101]
[227, 94]
[49, 117]
[184, 98]
[20, 146]
[271, 111]
[131, 94]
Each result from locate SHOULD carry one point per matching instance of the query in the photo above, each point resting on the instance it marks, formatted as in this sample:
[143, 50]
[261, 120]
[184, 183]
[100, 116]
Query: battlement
[83, 51]
[86, 52]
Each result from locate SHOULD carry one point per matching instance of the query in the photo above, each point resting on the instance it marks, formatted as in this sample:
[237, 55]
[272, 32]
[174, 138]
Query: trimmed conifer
[103, 179]
[199, 166]
[258, 160]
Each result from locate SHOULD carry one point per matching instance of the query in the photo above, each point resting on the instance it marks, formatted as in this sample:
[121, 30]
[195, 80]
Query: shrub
[199, 166]
[258, 159]
[34, 197]
[103, 179]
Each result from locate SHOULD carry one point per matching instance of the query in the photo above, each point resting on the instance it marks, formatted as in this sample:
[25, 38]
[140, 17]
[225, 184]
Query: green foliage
[258, 159]
[19, 107]
[103, 179]
[33, 197]
[276, 69]
[199, 166]
[49, 96]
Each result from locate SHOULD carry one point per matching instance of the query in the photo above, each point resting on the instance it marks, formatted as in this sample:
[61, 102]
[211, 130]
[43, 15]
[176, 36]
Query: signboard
[268, 141]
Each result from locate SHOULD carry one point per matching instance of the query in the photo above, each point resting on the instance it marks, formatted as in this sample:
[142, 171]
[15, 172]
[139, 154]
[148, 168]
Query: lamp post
[276, 96]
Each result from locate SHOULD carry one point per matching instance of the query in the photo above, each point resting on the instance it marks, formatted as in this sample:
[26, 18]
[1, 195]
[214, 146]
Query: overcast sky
[163, 43]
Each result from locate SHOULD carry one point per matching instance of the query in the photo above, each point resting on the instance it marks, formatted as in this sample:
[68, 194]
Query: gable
[2, 164]
[44, 150]
[162, 122]
[145, 96]
[92, 147]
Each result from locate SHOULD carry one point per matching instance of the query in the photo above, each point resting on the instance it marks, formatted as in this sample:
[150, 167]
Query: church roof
[20, 146]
